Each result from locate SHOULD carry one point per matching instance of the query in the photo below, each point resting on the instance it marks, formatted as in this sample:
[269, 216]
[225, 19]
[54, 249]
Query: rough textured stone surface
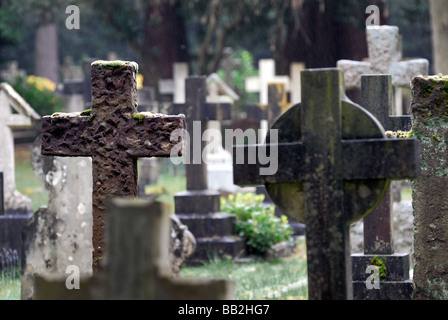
[114, 135]
[429, 192]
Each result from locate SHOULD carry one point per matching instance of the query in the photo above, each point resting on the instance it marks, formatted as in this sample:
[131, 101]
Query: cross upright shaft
[114, 135]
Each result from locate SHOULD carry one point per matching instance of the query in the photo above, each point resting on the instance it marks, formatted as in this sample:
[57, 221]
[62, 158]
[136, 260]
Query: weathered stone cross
[199, 207]
[334, 166]
[114, 134]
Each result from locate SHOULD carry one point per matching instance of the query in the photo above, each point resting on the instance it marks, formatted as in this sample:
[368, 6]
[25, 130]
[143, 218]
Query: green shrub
[256, 222]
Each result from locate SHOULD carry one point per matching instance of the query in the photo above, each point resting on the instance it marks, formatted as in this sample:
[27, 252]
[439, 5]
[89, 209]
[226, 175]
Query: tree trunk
[439, 25]
[46, 48]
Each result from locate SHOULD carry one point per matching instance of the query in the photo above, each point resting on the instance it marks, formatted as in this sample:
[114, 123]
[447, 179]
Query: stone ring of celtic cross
[360, 196]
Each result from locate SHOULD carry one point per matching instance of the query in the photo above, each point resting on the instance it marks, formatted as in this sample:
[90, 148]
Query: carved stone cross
[114, 134]
[334, 166]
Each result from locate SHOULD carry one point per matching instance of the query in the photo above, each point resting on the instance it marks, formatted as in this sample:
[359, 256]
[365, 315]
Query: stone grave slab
[334, 166]
[114, 134]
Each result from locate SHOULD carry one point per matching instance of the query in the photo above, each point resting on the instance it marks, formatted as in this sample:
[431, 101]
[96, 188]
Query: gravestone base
[213, 230]
[297, 227]
[11, 230]
[396, 285]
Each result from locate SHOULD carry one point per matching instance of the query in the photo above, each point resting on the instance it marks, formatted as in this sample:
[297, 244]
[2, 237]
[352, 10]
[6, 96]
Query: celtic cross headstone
[114, 134]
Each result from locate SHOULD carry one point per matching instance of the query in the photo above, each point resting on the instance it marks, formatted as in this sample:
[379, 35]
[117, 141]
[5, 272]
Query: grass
[281, 279]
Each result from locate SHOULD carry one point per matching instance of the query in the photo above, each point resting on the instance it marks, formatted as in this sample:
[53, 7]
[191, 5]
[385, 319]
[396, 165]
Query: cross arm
[66, 134]
[248, 162]
[393, 159]
[216, 111]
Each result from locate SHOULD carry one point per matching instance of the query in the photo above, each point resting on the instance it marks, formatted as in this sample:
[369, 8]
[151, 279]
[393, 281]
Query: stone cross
[175, 86]
[198, 207]
[12, 72]
[64, 225]
[15, 112]
[334, 165]
[377, 97]
[78, 91]
[137, 266]
[429, 193]
[384, 46]
[114, 134]
[267, 75]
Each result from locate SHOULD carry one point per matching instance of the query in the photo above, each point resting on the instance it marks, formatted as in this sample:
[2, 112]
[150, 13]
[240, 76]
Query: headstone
[384, 46]
[219, 160]
[429, 193]
[334, 164]
[136, 267]
[199, 207]
[60, 234]
[15, 112]
[114, 134]
[77, 92]
[2, 196]
[377, 95]
[266, 70]
[175, 86]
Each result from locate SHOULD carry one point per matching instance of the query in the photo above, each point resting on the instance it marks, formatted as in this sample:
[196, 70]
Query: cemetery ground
[255, 278]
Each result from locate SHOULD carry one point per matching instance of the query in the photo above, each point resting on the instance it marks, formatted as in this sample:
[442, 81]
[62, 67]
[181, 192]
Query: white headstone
[296, 83]
[12, 71]
[15, 112]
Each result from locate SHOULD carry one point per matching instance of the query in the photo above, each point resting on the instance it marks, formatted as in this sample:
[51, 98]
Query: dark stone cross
[198, 207]
[2, 195]
[334, 166]
[377, 98]
[114, 134]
